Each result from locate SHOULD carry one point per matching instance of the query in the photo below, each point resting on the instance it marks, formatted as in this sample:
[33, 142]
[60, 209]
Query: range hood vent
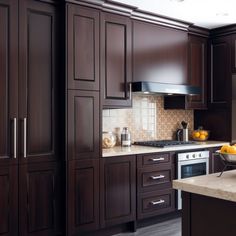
[162, 88]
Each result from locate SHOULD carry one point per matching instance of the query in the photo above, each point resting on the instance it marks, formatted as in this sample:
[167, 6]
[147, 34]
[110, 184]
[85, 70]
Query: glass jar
[108, 139]
[125, 137]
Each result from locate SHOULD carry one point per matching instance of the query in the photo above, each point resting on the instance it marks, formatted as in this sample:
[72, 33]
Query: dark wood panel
[82, 48]
[38, 79]
[220, 84]
[198, 71]
[156, 203]
[117, 192]
[9, 78]
[115, 60]
[83, 196]
[39, 199]
[159, 54]
[233, 53]
[83, 124]
[8, 201]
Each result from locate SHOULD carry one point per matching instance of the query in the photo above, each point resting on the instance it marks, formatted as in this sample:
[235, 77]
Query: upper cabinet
[220, 70]
[115, 60]
[160, 54]
[197, 71]
[82, 48]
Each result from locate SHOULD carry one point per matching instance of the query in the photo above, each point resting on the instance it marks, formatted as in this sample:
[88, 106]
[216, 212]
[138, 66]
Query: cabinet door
[38, 81]
[83, 196]
[83, 125]
[39, 199]
[82, 48]
[220, 81]
[8, 80]
[115, 60]
[197, 71]
[118, 195]
[233, 53]
[160, 54]
[9, 201]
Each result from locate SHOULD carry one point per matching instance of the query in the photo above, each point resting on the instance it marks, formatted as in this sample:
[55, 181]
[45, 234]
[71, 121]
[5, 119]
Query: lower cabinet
[31, 200]
[155, 195]
[118, 190]
[9, 200]
[40, 199]
[82, 196]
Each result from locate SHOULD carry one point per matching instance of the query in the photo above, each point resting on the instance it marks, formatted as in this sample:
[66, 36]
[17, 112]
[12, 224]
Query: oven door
[191, 168]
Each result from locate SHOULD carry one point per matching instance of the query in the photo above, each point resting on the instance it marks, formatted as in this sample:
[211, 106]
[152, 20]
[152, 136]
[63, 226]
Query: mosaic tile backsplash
[147, 120]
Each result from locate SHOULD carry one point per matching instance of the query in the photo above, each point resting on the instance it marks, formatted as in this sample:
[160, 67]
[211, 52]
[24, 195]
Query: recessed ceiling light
[222, 14]
[176, 0]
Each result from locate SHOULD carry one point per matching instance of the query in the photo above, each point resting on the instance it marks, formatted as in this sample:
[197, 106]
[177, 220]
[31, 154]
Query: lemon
[196, 134]
[202, 137]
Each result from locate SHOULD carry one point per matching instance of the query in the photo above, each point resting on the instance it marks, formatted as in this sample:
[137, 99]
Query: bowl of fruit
[228, 153]
[200, 134]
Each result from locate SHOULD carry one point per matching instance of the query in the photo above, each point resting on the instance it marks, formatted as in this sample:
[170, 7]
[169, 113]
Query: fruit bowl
[200, 135]
[227, 156]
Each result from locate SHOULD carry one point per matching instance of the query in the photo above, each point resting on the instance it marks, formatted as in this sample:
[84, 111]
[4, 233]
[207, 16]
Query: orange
[231, 149]
[224, 149]
[196, 134]
[202, 137]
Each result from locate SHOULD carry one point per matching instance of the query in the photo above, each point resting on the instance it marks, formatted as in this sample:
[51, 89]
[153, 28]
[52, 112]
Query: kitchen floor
[167, 228]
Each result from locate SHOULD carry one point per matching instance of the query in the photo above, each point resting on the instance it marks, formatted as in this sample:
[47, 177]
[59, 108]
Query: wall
[147, 120]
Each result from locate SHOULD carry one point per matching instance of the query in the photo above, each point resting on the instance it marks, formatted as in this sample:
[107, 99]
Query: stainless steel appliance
[164, 143]
[191, 164]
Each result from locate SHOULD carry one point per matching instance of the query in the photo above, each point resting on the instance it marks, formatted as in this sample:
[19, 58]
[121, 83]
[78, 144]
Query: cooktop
[163, 143]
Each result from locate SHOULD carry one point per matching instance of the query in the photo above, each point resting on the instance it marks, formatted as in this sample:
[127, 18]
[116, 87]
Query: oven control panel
[193, 155]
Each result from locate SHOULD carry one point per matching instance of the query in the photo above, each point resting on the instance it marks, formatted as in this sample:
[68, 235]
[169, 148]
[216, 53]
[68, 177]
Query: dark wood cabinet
[83, 196]
[118, 190]
[40, 199]
[220, 80]
[38, 81]
[29, 119]
[160, 54]
[233, 53]
[83, 124]
[115, 60]
[8, 81]
[9, 200]
[155, 195]
[197, 71]
[82, 48]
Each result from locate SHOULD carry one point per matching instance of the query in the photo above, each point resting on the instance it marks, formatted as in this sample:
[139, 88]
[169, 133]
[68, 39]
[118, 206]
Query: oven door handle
[157, 159]
[157, 177]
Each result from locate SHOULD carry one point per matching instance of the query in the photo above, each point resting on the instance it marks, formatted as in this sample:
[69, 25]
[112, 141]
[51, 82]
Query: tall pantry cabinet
[29, 154]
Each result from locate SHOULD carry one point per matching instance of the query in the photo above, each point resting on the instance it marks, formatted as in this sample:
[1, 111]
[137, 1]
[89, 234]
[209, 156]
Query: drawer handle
[158, 177]
[157, 159]
[157, 202]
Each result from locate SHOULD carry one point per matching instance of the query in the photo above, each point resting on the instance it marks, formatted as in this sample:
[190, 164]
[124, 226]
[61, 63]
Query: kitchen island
[209, 204]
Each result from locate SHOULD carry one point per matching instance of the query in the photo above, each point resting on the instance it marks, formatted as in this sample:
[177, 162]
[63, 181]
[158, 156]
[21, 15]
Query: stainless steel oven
[191, 164]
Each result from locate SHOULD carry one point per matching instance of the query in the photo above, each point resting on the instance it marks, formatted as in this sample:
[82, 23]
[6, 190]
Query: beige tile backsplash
[147, 120]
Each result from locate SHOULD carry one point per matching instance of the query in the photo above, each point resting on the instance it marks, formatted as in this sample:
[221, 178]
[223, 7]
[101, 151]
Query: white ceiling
[205, 13]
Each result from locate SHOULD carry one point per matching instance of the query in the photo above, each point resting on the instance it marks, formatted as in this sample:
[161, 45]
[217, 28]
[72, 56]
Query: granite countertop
[135, 149]
[223, 187]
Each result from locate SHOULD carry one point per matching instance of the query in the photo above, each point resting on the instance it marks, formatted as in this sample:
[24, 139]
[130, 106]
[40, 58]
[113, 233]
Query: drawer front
[155, 159]
[156, 203]
[152, 179]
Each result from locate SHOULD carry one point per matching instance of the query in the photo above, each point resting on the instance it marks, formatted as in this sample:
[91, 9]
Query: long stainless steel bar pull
[25, 140]
[14, 137]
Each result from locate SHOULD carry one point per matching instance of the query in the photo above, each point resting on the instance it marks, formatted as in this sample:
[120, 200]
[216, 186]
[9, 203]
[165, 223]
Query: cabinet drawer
[155, 159]
[156, 203]
[149, 180]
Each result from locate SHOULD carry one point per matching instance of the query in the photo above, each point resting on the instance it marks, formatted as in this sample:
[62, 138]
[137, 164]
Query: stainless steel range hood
[162, 88]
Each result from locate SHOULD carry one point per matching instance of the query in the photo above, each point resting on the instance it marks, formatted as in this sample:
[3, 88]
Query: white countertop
[135, 149]
[223, 187]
